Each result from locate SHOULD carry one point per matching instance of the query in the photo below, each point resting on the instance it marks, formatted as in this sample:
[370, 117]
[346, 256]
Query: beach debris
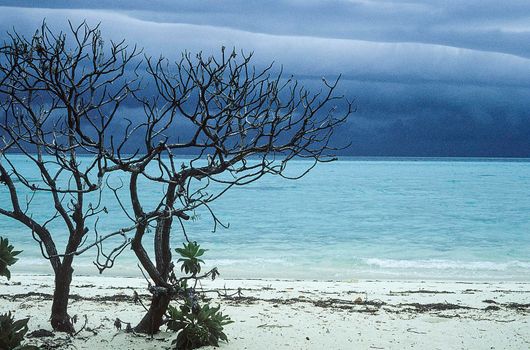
[274, 326]
[64, 342]
[512, 305]
[435, 306]
[517, 306]
[412, 330]
[120, 297]
[471, 291]
[41, 333]
[492, 308]
[225, 294]
[93, 330]
[117, 324]
[420, 291]
[138, 300]
[74, 320]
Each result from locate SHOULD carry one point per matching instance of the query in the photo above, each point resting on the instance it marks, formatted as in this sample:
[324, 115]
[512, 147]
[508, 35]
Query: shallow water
[355, 218]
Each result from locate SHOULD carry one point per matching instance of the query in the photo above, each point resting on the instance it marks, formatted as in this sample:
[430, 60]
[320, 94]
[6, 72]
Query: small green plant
[196, 325]
[12, 333]
[7, 257]
[190, 254]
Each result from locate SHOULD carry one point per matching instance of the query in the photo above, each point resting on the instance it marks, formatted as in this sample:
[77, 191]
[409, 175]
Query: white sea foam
[438, 264]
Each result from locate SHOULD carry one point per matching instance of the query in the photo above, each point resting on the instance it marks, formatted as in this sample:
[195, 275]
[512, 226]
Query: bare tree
[58, 95]
[60, 98]
[243, 123]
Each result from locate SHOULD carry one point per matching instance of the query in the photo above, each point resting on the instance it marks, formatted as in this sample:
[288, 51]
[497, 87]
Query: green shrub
[12, 333]
[196, 325]
[7, 257]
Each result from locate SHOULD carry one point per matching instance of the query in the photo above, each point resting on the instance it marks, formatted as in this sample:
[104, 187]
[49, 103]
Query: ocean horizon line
[341, 157]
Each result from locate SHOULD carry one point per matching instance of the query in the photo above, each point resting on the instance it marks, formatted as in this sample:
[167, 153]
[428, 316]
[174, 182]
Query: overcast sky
[430, 78]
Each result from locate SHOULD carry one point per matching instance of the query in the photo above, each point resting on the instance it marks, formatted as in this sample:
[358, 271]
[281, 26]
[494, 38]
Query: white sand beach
[298, 314]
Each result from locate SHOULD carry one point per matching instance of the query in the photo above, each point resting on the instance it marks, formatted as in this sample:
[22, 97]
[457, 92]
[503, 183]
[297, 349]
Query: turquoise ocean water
[461, 219]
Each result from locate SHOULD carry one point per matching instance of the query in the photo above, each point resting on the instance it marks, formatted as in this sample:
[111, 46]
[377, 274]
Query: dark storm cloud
[429, 77]
[490, 25]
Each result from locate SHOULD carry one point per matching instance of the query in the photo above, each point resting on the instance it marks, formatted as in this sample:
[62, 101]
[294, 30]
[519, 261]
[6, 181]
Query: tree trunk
[60, 319]
[153, 319]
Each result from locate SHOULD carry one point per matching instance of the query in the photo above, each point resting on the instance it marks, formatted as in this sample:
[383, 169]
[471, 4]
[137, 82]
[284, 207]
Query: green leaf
[7, 257]
[191, 264]
[12, 333]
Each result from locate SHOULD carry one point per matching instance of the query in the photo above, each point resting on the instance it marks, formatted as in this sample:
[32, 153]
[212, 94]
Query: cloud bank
[430, 78]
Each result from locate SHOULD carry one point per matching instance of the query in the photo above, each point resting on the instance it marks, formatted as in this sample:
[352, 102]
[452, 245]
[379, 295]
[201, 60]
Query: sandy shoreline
[279, 314]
